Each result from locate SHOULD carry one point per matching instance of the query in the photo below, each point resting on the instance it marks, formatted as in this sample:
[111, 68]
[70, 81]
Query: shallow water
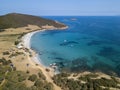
[90, 43]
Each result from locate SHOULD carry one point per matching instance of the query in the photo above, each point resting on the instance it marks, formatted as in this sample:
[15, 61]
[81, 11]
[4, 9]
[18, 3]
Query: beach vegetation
[30, 55]
[32, 77]
[17, 42]
[6, 53]
[14, 86]
[4, 61]
[14, 68]
[1, 79]
[15, 80]
[28, 28]
[48, 86]
[21, 78]
[41, 75]
[43, 85]
[21, 35]
[1, 30]
[47, 69]
[38, 83]
[27, 71]
[15, 54]
[91, 82]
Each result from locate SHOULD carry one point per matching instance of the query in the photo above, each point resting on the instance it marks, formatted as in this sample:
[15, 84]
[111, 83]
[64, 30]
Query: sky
[61, 7]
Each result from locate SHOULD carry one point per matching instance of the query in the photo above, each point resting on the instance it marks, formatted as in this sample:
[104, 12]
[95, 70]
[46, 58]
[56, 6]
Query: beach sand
[35, 59]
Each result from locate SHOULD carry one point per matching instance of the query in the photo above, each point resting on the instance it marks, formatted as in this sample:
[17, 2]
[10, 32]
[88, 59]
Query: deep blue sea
[91, 43]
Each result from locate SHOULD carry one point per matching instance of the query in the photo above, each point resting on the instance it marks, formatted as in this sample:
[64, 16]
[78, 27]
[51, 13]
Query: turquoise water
[90, 43]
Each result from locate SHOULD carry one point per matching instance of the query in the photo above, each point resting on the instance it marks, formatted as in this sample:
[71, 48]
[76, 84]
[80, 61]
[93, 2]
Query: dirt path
[48, 78]
[48, 75]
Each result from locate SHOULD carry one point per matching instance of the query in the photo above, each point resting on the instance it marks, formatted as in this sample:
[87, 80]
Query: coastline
[35, 59]
[32, 54]
[25, 41]
[26, 44]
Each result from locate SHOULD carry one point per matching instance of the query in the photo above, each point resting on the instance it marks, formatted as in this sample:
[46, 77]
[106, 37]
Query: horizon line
[56, 15]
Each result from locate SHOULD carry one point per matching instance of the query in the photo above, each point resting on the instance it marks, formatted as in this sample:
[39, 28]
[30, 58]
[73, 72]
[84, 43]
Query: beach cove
[22, 57]
[84, 46]
[33, 61]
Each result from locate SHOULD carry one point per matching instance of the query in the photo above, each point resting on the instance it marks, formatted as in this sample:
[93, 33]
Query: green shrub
[39, 83]
[21, 78]
[14, 68]
[92, 75]
[16, 42]
[14, 86]
[32, 77]
[9, 69]
[1, 79]
[27, 72]
[4, 61]
[16, 76]
[48, 86]
[41, 75]
[1, 30]
[84, 78]
[6, 53]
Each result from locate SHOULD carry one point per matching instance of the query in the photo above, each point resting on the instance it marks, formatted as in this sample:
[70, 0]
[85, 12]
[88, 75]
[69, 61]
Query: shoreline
[26, 41]
[35, 59]
[37, 62]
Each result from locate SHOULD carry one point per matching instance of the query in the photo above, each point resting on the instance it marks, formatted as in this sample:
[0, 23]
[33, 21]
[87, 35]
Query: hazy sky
[61, 7]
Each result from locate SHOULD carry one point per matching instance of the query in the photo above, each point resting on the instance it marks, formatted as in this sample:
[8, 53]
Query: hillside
[14, 20]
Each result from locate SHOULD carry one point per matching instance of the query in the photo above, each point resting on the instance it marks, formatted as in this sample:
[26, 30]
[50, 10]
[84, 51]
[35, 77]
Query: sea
[90, 43]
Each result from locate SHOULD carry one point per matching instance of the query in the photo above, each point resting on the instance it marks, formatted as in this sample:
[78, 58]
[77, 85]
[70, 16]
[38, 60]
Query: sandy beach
[34, 61]
[26, 44]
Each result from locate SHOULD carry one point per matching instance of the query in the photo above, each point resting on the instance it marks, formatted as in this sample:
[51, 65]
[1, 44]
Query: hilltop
[15, 20]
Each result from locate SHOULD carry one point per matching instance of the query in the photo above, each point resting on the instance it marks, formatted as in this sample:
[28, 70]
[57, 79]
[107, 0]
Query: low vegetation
[40, 74]
[10, 79]
[1, 30]
[32, 77]
[3, 61]
[86, 82]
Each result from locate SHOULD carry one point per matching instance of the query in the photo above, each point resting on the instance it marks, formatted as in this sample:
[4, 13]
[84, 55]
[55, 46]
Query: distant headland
[15, 20]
